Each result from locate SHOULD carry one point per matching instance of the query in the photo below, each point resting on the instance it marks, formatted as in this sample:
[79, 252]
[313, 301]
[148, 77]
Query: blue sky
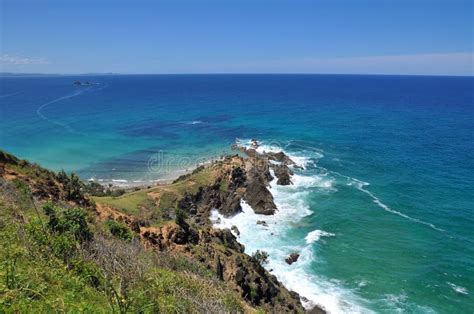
[379, 37]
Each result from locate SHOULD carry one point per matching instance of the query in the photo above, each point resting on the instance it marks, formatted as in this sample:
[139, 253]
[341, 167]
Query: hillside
[74, 246]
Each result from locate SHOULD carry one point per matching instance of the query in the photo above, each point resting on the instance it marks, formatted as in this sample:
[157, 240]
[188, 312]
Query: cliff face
[174, 219]
[235, 179]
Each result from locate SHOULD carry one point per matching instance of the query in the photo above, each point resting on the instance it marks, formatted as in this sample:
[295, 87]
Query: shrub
[73, 186]
[119, 230]
[23, 188]
[260, 257]
[94, 188]
[71, 221]
[180, 217]
[89, 271]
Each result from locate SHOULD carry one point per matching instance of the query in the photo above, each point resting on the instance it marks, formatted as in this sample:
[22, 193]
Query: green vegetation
[180, 217]
[59, 260]
[119, 230]
[55, 256]
[260, 257]
[129, 203]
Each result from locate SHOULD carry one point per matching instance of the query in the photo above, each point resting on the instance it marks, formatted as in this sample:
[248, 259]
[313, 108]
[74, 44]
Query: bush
[73, 186]
[180, 217]
[119, 230]
[260, 257]
[23, 188]
[89, 271]
[70, 222]
[94, 188]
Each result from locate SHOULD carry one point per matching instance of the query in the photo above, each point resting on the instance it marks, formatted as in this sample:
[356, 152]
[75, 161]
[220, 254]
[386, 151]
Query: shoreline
[253, 150]
[127, 185]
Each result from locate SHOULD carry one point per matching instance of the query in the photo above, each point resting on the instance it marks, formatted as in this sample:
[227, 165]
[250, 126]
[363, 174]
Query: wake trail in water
[8, 95]
[359, 185]
[71, 95]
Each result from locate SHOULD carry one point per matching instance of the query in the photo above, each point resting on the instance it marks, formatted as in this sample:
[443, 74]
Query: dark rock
[236, 230]
[258, 196]
[262, 222]
[226, 237]
[316, 310]
[280, 157]
[187, 203]
[240, 275]
[283, 173]
[219, 269]
[238, 177]
[294, 294]
[292, 258]
[179, 236]
[231, 206]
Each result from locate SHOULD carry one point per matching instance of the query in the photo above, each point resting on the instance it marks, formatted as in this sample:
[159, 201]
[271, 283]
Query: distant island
[85, 83]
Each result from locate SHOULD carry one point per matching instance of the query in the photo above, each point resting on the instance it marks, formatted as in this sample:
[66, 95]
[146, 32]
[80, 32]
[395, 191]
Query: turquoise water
[383, 214]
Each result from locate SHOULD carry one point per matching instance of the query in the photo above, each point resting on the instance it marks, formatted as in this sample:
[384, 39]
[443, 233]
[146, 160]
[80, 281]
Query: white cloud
[6, 59]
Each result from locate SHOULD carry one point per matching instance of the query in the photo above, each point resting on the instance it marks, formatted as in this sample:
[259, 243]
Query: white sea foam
[300, 160]
[315, 235]
[274, 239]
[362, 283]
[458, 289]
[194, 122]
[397, 301]
[360, 185]
[377, 201]
[119, 180]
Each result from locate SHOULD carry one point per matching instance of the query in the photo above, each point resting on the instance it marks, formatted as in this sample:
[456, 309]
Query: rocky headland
[175, 218]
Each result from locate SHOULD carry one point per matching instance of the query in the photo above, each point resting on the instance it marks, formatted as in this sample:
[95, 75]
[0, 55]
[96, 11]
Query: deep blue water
[390, 160]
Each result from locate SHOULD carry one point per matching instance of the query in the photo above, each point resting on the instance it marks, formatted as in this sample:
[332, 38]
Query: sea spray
[274, 238]
[315, 235]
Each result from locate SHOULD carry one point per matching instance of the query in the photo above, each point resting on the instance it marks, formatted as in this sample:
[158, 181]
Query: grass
[40, 285]
[36, 277]
[130, 203]
[165, 196]
[47, 266]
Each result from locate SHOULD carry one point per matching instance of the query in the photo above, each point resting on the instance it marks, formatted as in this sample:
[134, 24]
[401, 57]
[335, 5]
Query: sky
[419, 37]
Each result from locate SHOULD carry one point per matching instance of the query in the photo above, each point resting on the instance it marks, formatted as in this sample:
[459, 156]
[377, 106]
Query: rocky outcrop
[234, 179]
[292, 258]
[259, 197]
[283, 173]
[221, 251]
[241, 179]
[236, 230]
[44, 185]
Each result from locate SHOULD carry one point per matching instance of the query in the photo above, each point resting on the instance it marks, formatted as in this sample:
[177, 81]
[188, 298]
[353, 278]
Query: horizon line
[3, 74]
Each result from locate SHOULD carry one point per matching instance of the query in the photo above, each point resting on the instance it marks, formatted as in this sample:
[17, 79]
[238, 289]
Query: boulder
[258, 196]
[283, 173]
[235, 229]
[280, 157]
[231, 205]
[292, 258]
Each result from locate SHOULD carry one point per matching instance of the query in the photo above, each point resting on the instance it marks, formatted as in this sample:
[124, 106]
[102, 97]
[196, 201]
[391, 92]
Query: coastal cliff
[169, 223]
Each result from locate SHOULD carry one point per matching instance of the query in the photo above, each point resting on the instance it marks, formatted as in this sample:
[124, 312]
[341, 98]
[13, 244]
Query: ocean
[382, 212]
